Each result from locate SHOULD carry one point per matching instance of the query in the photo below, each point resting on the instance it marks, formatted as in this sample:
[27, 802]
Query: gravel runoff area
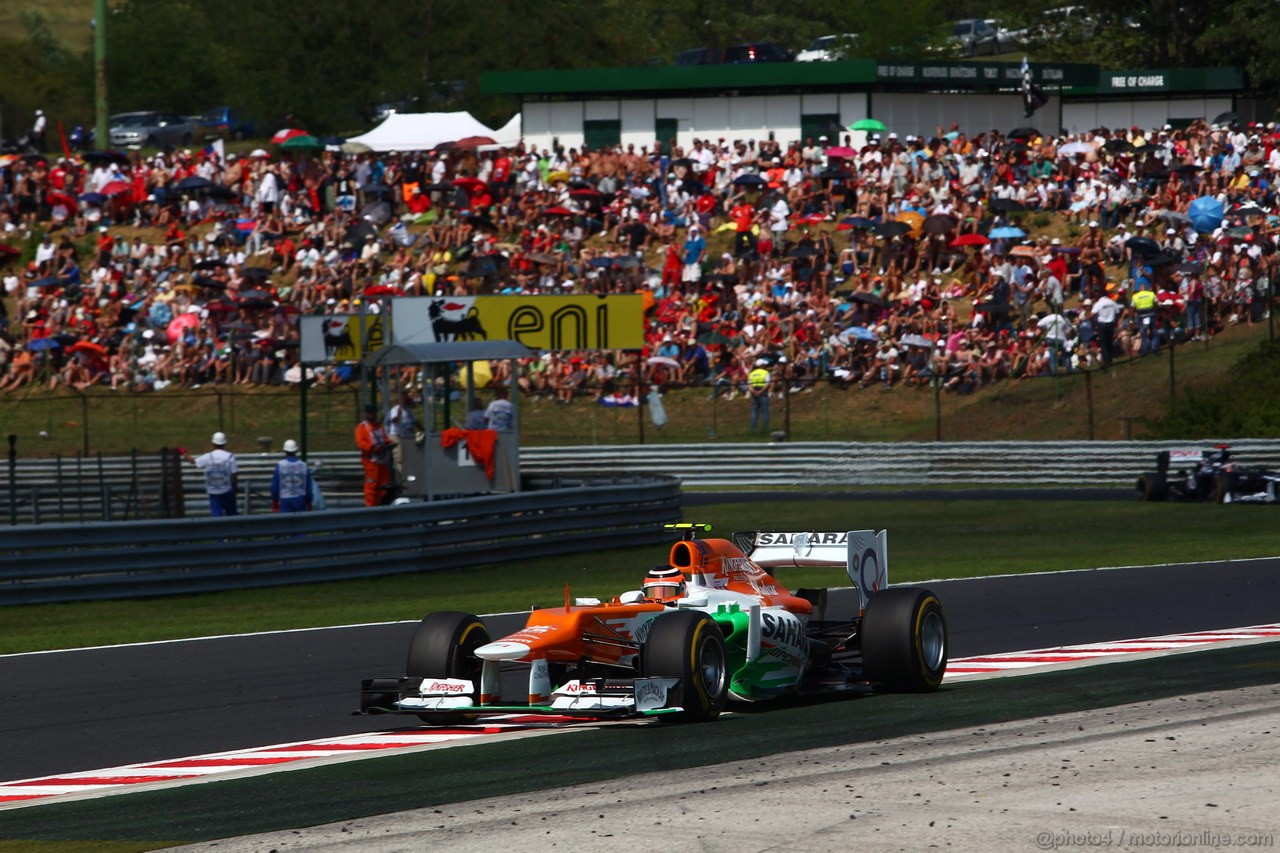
[1195, 772]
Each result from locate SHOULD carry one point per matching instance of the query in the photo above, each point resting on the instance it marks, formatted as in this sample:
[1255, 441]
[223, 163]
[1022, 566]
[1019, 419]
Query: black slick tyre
[1223, 486]
[1151, 487]
[444, 646]
[689, 645]
[904, 640]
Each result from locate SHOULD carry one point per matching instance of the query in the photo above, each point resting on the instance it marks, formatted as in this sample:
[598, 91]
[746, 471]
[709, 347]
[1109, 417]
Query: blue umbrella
[194, 182]
[47, 281]
[861, 333]
[1206, 214]
[1008, 232]
[749, 180]
[93, 198]
[42, 344]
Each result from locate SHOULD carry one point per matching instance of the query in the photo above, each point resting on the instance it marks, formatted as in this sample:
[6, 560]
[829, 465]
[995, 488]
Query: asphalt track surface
[83, 710]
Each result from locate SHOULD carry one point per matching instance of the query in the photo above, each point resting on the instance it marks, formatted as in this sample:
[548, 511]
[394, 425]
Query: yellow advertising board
[340, 337]
[615, 321]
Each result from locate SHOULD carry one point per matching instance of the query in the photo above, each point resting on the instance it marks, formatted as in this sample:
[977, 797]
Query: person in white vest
[221, 475]
[291, 482]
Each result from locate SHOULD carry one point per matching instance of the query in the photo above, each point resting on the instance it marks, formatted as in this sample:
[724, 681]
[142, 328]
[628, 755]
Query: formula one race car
[712, 624]
[1208, 475]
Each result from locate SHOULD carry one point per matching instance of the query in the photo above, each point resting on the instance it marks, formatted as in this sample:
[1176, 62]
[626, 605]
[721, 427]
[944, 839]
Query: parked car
[759, 51]
[697, 56]
[150, 129]
[1006, 40]
[827, 48]
[225, 123]
[973, 37]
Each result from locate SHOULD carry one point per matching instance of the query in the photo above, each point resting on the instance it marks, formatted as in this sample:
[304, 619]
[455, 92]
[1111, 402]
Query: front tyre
[444, 646]
[688, 644]
[904, 640]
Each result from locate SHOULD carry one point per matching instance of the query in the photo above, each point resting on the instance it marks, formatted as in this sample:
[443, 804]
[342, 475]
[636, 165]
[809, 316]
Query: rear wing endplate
[864, 554]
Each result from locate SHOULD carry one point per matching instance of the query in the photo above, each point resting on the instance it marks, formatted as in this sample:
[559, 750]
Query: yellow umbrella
[480, 371]
[560, 175]
[915, 220]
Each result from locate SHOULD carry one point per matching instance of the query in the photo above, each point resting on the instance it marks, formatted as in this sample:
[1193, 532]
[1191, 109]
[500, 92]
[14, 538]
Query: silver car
[150, 129]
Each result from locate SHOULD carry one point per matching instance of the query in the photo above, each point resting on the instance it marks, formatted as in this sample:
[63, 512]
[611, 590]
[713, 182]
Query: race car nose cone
[502, 650]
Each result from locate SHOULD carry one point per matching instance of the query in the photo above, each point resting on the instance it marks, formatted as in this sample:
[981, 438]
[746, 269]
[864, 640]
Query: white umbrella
[1073, 148]
[914, 340]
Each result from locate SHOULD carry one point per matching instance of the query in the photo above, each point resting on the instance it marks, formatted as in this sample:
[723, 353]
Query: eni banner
[539, 322]
[339, 337]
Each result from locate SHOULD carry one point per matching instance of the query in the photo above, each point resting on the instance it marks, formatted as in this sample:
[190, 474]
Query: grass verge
[927, 539]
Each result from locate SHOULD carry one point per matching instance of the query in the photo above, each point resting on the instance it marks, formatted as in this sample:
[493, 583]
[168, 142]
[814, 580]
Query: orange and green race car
[710, 625]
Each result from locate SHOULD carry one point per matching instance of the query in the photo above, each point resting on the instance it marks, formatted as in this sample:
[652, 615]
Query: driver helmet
[664, 583]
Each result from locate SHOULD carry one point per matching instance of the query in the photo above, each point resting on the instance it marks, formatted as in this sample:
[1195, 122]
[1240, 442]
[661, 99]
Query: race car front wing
[598, 698]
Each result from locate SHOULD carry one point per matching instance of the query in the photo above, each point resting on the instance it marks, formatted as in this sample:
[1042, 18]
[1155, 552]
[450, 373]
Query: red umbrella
[559, 211]
[841, 151]
[970, 240]
[287, 134]
[6, 249]
[89, 347]
[381, 290]
[176, 326]
[57, 198]
[468, 184]
[474, 142]
[116, 187]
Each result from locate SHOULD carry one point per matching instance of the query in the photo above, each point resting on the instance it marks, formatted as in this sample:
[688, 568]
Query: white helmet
[219, 439]
[290, 446]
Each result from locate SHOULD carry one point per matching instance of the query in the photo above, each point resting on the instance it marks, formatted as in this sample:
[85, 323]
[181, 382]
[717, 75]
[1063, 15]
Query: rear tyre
[1223, 485]
[444, 646]
[689, 645]
[1151, 487]
[904, 640]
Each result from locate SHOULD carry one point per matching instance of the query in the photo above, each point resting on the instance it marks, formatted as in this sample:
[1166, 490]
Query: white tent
[508, 136]
[421, 131]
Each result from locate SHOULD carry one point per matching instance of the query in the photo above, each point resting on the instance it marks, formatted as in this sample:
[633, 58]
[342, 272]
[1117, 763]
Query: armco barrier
[88, 497]
[77, 562]
[828, 464]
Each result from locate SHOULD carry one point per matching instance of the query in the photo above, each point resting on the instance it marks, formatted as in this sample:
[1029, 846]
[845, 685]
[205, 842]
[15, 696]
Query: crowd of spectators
[882, 261]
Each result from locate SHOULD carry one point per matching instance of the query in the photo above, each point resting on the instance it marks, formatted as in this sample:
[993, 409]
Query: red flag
[66, 149]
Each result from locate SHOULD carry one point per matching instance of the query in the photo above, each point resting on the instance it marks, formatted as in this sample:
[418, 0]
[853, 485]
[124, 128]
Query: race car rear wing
[864, 554]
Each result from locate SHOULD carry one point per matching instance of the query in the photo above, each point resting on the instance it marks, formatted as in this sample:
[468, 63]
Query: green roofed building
[797, 101]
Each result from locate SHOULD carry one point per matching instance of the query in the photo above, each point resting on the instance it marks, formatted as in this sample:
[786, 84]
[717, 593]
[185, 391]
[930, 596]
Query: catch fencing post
[13, 478]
